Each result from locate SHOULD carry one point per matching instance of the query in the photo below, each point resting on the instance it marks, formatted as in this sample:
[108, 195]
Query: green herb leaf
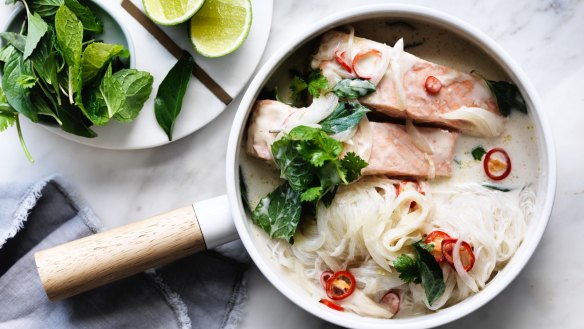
[6, 120]
[408, 269]
[137, 86]
[346, 116]
[353, 88]
[72, 121]
[16, 40]
[507, 94]
[37, 28]
[430, 273]
[292, 165]
[69, 31]
[17, 95]
[353, 164]
[478, 152]
[168, 102]
[26, 81]
[44, 61]
[107, 100]
[278, 213]
[312, 194]
[6, 52]
[495, 187]
[317, 83]
[46, 7]
[96, 56]
[86, 16]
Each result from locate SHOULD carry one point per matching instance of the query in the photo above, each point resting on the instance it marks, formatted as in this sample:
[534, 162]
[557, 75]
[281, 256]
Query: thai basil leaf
[72, 121]
[18, 96]
[137, 86]
[353, 88]
[90, 22]
[69, 32]
[169, 97]
[37, 28]
[508, 97]
[478, 152]
[278, 213]
[430, 273]
[96, 56]
[292, 165]
[6, 52]
[16, 40]
[44, 60]
[46, 7]
[107, 100]
[346, 116]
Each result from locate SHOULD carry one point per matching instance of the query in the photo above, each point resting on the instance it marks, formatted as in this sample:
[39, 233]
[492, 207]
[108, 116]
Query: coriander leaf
[7, 120]
[16, 40]
[312, 194]
[16, 95]
[169, 97]
[46, 7]
[353, 88]
[37, 27]
[137, 86]
[96, 56]
[353, 165]
[478, 152]
[345, 117]
[430, 273]
[297, 86]
[69, 32]
[318, 147]
[90, 22]
[408, 269]
[278, 213]
[317, 83]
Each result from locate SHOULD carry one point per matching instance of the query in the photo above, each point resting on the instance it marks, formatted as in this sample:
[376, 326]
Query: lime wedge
[220, 27]
[171, 12]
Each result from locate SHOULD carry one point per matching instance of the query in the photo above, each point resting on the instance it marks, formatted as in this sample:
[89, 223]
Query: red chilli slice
[392, 300]
[433, 85]
[340, 57]
[491, 164]
[360, 55]
[325, 276]
[331, 304]
[341, 285]
[467, 257]
[435, 238]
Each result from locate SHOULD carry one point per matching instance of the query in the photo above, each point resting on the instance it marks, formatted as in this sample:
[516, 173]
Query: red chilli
[492, 164]
[433, 85]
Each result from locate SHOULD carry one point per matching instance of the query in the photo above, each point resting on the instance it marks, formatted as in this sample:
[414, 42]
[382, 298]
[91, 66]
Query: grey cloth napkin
[206, 290]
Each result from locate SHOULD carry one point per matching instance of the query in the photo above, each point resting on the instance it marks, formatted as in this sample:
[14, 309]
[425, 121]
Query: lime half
[171, 12]
[221, 26]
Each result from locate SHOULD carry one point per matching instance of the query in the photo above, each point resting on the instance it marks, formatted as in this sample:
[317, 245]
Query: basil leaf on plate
[46, 7]
[72, 121]
[278, 213]
[44, 60]
[353, 88]
[69, 32]
[430, 273]
[96, 56]
[169, 97]
[17, 95]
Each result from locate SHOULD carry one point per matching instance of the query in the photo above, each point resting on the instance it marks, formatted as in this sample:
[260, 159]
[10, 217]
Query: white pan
[87, 263]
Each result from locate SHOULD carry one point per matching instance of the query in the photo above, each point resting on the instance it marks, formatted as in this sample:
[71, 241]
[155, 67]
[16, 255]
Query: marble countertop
[544, 37]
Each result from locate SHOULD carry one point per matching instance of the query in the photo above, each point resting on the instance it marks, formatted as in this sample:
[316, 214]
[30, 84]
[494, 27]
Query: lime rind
[211, 52]
[160, 21]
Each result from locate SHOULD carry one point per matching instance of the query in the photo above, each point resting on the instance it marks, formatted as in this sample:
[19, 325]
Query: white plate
[200, 106]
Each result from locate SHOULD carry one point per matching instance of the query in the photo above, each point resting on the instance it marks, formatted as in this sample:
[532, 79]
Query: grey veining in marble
[544, 36]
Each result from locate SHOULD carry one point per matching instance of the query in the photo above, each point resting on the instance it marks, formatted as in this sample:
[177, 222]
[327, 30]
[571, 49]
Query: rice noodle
[367, 227]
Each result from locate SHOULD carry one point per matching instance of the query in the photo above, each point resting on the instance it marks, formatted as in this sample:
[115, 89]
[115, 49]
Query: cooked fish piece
[394, 152]
[463, 101]
[388, 148]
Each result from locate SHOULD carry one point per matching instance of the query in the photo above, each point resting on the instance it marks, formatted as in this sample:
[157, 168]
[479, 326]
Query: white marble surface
[544, 36]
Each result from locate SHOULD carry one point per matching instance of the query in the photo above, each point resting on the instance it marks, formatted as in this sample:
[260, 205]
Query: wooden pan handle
[87, 263]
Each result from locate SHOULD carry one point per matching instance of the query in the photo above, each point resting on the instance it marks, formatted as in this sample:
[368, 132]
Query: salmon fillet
[387, 147]
[401, 91]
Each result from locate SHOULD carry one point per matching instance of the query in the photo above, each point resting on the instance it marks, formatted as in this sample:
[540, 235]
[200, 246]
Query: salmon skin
[388, 148]
[464, 101]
